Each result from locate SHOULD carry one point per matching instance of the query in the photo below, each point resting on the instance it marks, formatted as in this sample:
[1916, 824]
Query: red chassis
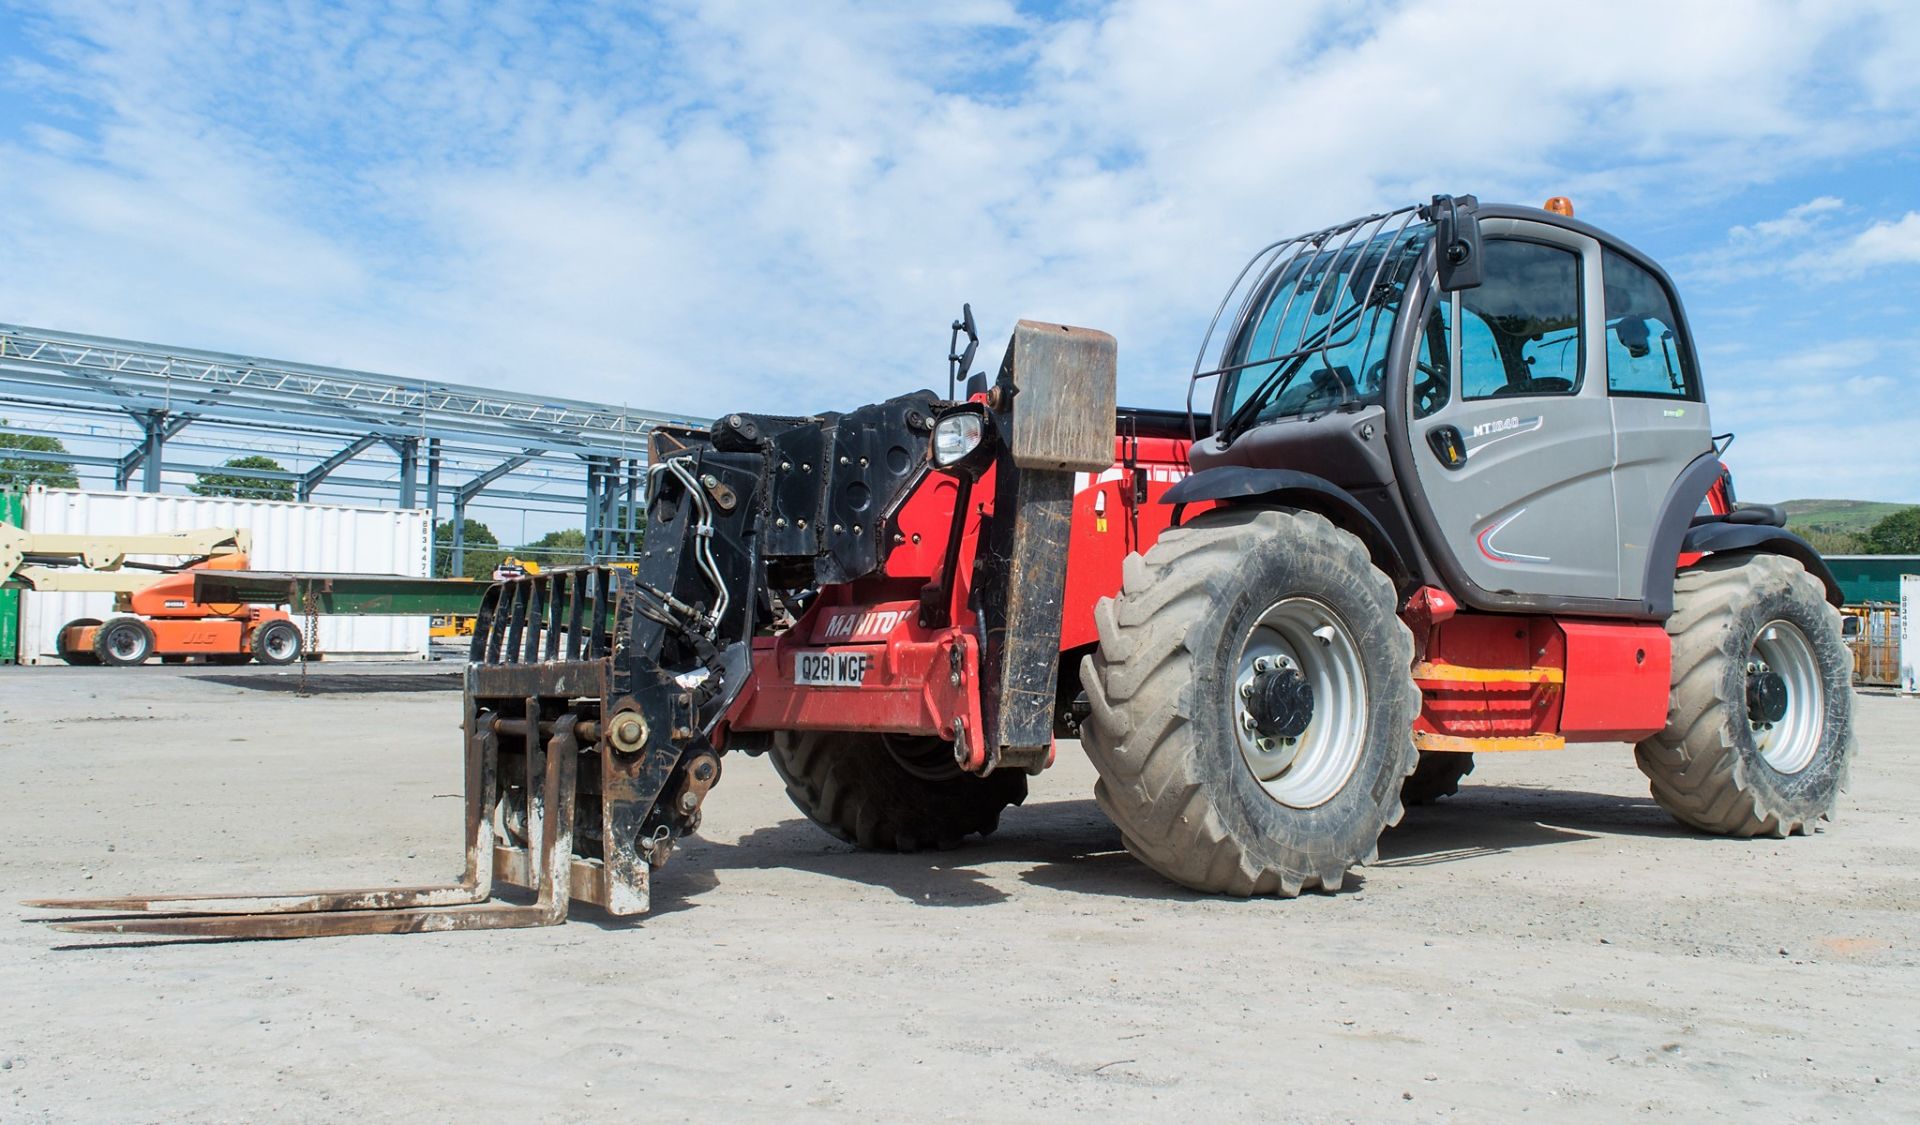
[1489, 682]
[919, 680]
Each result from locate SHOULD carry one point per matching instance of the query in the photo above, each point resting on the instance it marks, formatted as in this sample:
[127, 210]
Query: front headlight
[955, 436]
[964, 440]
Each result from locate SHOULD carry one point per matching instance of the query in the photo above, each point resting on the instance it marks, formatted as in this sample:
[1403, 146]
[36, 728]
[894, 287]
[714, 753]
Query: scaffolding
[146, 404]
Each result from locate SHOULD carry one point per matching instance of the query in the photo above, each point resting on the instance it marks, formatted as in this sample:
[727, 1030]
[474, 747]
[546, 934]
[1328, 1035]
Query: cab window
[1521, 331]
[1317, 337]
[1644, 352]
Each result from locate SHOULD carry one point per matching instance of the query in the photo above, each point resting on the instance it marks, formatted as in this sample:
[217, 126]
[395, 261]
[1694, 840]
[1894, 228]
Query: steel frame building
[138, 400]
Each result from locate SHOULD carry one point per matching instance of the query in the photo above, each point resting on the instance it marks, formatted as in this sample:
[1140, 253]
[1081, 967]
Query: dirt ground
[1545, 944]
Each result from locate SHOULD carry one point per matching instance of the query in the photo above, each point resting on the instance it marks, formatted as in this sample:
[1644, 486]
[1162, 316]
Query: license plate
[830, 669]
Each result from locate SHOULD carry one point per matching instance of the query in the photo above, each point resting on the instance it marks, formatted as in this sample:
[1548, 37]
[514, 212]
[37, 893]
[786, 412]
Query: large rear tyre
[123, 642]
[890, 792]
[1438, 774]
[1759, 730]
[1252, 704]
[78, 657]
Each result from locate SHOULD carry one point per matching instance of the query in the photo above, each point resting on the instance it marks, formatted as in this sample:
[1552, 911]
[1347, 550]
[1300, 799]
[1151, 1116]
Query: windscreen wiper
[1243, 416]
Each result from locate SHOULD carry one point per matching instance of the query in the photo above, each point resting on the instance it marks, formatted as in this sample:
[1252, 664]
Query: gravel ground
[1547, 943]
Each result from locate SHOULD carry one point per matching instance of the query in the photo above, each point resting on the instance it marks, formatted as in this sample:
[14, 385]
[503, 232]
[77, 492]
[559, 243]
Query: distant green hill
[1834, 526]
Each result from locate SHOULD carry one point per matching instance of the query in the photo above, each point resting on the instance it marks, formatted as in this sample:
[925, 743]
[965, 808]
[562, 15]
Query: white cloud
[1796, 222]
[1787, 460]
[1813, 239]
[1823, 419]
[741, 203]
[1886, 243]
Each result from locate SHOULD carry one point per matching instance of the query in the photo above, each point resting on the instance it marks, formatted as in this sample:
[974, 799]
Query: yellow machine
[450, 625]
[511, 567]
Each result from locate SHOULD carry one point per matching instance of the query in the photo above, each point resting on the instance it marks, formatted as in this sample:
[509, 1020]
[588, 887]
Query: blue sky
[715, 206]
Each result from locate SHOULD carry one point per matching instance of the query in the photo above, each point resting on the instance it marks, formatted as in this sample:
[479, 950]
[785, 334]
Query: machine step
[1437, 672]
[1447, 743]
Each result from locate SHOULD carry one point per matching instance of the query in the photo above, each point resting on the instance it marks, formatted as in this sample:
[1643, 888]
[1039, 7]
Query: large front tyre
[1252, 704]
[893, 793]
[1759, 731]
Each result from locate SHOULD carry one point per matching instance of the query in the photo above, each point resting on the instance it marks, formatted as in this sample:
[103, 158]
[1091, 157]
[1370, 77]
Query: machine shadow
[1071, 835]
[929, 878]
[1071, 846]
[1485, 820]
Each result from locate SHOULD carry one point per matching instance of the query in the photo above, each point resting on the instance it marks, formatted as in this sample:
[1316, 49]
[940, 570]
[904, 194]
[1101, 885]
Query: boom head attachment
[599, 702]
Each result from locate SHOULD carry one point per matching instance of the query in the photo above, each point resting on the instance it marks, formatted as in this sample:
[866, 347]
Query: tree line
[1897, 533]
[482, 550]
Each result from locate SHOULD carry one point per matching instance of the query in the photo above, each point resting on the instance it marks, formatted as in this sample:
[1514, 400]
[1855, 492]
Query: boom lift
[1450, 488]
[159, 613]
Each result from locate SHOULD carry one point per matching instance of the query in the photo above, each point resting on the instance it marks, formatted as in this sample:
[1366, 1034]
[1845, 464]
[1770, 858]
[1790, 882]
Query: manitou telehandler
[1452, 488]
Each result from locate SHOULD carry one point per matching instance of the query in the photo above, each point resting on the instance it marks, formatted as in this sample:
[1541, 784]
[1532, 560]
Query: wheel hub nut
[1281, 705]
[1280, 751]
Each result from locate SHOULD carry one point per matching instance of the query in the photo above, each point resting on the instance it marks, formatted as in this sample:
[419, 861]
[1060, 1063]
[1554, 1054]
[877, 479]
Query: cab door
[1659, 416]
[1515, 461]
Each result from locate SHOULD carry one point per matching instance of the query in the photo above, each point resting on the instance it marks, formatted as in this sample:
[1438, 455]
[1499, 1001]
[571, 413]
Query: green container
[1872, 578]
[13, 510]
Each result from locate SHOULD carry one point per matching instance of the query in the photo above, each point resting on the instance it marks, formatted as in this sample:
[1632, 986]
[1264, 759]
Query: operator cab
[1505, 399]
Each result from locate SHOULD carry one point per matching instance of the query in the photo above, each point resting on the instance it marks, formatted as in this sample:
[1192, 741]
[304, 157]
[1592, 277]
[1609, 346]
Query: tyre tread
[849, 784]
[1694, 769]
[1140, 730]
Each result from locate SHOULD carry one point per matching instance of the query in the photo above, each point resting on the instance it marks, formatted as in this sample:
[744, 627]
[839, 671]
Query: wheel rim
[1303, 636]
[280, 644]
[125, 644]
[1789, 742]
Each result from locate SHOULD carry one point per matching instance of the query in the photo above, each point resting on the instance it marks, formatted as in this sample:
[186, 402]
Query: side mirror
[959, 363]
[1456, 241]
[1635, 336]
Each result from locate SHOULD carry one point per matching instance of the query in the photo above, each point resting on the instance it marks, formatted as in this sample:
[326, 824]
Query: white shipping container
[325, 538]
